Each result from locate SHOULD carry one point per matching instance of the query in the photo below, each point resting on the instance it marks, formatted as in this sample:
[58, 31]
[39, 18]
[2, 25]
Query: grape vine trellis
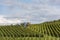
[43, 31]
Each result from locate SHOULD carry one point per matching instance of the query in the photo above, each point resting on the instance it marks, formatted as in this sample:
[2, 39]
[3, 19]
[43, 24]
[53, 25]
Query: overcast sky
[34, 11]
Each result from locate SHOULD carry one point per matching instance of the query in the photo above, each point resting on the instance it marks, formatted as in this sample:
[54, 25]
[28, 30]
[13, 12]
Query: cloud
[36, 12]
[4, 21]
[55, 2]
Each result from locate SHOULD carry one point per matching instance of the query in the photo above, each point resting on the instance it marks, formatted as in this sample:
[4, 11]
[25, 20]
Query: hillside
[47, 30]
[51, 28]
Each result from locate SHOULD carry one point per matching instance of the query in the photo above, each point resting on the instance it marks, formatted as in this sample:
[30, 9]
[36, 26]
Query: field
[43, 31]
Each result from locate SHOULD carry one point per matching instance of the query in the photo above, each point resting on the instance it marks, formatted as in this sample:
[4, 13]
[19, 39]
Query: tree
[25, 24]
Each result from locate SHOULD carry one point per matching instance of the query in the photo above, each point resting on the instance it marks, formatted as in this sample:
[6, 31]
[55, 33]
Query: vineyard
[43, 31]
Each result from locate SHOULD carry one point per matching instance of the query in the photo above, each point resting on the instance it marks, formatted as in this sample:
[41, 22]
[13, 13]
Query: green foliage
[43, 31]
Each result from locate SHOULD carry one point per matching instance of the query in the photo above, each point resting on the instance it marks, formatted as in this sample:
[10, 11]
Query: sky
[34, 11]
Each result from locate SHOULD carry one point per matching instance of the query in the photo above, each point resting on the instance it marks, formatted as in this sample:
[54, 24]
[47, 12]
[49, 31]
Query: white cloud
[39, 10]
[4, 20]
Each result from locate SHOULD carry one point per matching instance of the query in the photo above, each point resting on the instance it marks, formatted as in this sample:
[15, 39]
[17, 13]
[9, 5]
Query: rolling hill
[43, 31]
